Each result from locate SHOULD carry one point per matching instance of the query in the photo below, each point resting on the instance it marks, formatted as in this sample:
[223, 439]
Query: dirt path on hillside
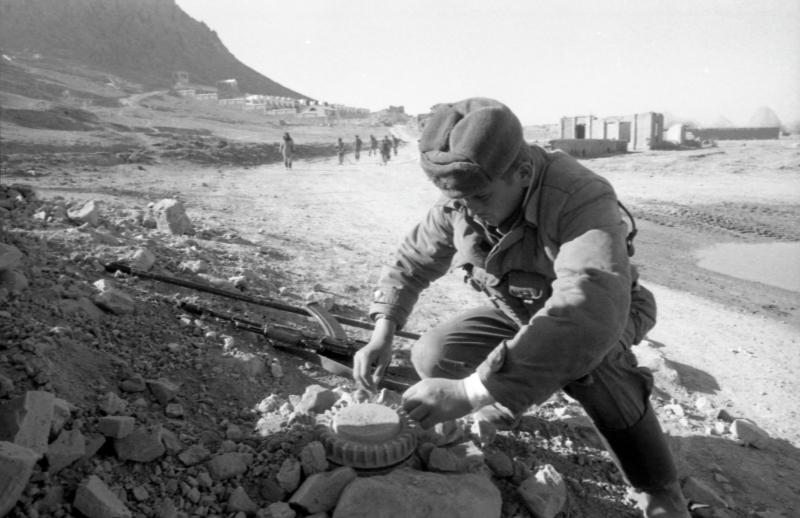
[335, 225]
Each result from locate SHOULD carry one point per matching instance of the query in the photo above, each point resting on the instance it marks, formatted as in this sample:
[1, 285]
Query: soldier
[541, 235]
[373, 145]
[395, 142]
[287, 148]
[386, 150]
[357, 148]
[340, 150]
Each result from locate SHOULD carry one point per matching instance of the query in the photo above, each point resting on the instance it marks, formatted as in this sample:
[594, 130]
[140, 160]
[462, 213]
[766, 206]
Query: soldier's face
[495, 204]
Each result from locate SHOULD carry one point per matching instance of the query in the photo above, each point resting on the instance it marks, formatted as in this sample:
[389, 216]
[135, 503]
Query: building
[641, 130]
[319, 114]
[228, 88]
[206, 96]
[181, 77]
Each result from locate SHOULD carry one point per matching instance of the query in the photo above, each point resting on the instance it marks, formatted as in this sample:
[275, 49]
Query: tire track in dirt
[776, 223]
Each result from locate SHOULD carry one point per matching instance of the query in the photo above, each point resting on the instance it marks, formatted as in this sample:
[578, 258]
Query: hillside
[143, 41]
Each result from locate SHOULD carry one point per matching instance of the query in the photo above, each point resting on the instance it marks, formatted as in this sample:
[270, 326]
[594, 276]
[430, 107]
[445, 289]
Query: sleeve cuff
[477, 394]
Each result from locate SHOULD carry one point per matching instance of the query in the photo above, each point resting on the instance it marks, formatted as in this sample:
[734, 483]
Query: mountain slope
[141, 40]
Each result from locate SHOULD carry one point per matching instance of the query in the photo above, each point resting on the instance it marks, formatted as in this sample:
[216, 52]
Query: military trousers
[615, 394]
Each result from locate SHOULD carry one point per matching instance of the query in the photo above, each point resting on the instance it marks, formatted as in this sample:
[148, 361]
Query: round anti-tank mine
[373, 439]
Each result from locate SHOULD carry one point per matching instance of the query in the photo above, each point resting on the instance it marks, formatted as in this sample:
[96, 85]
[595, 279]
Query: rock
[26, 420]
[93, 445]
[750, 433]
[442, 434]
[227, 465]
[198, 266]
[80, 305]
[313, 459]
[698, 492]
[89, 213]
[16, 466]
[6, 386]
[216, 282]
[171, 217]
[320, 492]
[500, 464]
[194, 455]
[443, 460]
[116, 302]
[104, 285]
[163, 390]
[270, 424]
[142, 259]
[416, 494]
[105, 238]
[471, 458]
[240, 502]
[174, 411]
[95, 500]
[289, 475]
[134, 384]
[234, 433]
[171, 442]
[484, 431]
[69, 447]
[116, 427]
[14, 282]
[140, 493]
[317, 399]
[140, 446]
[271, 491]
[112, 404]
[280, 510]
[545, 493]
[52, 501]
[10, 257]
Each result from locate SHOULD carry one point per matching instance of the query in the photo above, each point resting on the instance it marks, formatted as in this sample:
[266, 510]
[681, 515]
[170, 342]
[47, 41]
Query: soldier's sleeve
[424, 255]
[585, 315]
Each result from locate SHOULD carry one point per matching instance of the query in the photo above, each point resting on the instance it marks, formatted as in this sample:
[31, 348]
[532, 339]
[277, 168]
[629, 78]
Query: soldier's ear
[525, 171]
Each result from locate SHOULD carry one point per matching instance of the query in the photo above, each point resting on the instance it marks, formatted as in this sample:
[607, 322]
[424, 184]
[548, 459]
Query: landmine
[372, 439]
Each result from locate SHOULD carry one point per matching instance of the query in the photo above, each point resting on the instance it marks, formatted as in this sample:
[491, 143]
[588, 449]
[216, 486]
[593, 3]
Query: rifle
[333, 351]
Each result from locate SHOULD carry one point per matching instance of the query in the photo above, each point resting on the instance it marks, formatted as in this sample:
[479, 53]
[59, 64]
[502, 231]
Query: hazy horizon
[545, 59]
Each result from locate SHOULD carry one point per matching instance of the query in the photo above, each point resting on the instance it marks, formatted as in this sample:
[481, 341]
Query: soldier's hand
[377, 353]
[436, 400]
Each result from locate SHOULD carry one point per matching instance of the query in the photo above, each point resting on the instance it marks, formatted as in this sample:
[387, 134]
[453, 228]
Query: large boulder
[417, 494]
[16, 466]
[171, 217]
[26, 420]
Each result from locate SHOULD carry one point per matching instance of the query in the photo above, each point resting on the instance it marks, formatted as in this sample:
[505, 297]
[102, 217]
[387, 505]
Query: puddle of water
[775, 264]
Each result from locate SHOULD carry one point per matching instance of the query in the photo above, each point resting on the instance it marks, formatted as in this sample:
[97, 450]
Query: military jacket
[561, 272]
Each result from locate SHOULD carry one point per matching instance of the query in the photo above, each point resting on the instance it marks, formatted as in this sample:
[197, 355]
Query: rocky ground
[154, 412]
[115, 402]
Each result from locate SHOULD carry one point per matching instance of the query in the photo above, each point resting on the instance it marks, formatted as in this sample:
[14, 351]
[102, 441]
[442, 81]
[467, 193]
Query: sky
[545, 59]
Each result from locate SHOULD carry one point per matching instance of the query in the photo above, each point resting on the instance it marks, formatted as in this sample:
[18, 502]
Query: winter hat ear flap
[467, 145]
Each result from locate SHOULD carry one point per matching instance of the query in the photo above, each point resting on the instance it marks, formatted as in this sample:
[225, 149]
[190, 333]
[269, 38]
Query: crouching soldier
[543, 236]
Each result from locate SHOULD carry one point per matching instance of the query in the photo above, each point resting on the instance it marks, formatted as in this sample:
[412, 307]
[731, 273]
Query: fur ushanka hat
[468, 144]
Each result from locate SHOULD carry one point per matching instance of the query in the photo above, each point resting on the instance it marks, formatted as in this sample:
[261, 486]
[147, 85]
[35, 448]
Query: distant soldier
[373, 145]
[395, 142]
[357, 148]
[287, 148]
[386, 149]
[340, 150]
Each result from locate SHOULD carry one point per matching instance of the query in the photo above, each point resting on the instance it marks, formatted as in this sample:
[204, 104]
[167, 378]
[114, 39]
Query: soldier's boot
[642, 454]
